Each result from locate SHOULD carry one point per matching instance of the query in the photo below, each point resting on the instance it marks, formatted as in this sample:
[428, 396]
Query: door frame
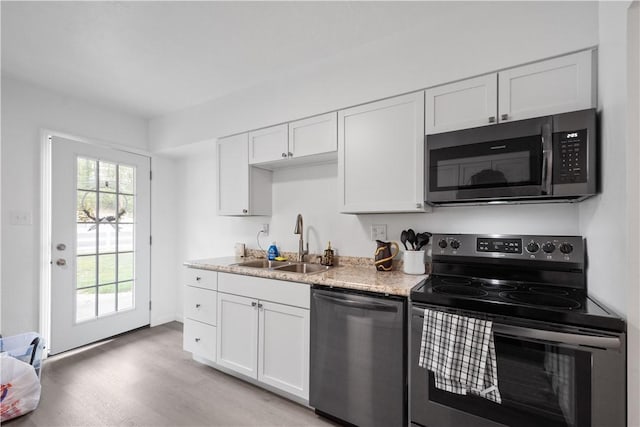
[46, 136]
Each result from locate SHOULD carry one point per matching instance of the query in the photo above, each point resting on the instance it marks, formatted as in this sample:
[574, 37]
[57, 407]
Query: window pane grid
[105, 211]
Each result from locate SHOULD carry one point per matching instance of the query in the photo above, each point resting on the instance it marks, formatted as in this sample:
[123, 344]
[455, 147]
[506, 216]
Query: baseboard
[165, 318]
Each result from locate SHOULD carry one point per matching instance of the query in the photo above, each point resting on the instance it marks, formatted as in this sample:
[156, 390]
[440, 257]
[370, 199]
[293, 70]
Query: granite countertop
[351, 276]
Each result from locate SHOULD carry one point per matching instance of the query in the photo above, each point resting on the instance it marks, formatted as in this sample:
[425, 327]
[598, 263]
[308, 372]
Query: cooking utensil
[423, 239]
[411, 238]
[404, 236]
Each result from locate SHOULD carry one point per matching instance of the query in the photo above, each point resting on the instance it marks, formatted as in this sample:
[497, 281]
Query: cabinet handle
[259, 305]
[284, 154]
[492, 119]
[253, 304]
[418, 205]
[290, 154]
[197, 305]
[198, 278]
[244, 211]
[504, 117]
[197, 339]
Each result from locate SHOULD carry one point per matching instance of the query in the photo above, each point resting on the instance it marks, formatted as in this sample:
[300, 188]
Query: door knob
[61, 246]
[61, 262]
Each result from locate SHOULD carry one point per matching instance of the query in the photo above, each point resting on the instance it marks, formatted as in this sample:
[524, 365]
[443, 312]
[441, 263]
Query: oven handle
[559, 337]
[547, 158]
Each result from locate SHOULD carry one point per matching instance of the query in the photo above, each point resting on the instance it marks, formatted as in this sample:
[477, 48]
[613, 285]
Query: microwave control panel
[570, 157]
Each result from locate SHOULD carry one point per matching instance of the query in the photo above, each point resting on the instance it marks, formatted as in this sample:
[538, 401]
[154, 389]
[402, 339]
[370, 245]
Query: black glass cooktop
[520, 299]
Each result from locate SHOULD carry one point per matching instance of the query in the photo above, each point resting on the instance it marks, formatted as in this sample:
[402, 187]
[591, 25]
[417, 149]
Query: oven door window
[514, 162]
[540, 385]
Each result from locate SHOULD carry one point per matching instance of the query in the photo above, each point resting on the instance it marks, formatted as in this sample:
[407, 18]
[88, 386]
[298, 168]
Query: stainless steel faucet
[298, 230]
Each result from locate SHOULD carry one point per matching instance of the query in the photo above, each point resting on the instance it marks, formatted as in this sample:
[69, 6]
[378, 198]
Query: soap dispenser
[327, 257]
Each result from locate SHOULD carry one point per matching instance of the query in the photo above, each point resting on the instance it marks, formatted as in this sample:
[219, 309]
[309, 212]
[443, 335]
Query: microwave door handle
[547, 158]
[559, 337]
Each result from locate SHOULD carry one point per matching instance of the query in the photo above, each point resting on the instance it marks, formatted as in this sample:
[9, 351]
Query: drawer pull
[198, 278]
[197, 305]
[197, 339]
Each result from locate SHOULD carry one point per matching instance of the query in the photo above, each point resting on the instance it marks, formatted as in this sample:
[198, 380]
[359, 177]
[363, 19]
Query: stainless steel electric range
[561, 355]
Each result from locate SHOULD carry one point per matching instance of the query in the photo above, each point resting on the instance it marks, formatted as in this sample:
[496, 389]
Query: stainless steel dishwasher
[358, 357]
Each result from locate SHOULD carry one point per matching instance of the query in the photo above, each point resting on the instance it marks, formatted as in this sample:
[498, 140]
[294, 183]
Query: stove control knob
[548, 247]
[442, 243]
[566, 248]
[455, 244]
[533, 247]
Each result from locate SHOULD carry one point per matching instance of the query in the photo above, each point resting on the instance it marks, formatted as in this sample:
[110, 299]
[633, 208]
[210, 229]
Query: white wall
[633, 183]
[603, 219]
[26, 110]
[311, 191]
[455, 41]
[165, 261]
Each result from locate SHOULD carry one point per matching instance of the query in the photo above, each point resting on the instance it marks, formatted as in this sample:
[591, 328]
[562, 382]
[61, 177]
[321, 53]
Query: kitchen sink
[304, 268]
[262, 263]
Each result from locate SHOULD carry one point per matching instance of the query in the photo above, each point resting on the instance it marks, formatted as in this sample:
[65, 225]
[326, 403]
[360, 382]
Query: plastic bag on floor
[19, 388]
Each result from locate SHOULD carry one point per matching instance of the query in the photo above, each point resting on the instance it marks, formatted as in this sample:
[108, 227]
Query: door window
[105, 256]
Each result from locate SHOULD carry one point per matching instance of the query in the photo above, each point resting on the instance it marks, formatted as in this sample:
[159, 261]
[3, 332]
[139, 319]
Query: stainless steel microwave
[545, 159]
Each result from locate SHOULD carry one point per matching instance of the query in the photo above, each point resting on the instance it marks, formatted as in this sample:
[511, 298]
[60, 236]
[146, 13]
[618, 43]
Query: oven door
[546, 376]
[499, 162]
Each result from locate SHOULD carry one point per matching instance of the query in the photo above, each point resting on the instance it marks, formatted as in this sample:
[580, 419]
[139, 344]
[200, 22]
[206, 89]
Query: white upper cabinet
[465, 104]
[311, 140]
[553, 86]
[549, 87]
[268, 144]
[242, 189]
[381, 156]
[315, 135]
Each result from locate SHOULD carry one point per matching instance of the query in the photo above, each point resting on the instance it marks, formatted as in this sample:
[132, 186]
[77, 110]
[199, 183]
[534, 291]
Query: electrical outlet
[265, 229]
[379, 232]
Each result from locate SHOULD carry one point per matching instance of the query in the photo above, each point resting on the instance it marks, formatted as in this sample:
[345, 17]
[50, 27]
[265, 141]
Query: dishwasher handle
[364, 305]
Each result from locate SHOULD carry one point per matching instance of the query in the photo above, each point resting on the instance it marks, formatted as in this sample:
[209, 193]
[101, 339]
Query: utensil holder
[414, 262]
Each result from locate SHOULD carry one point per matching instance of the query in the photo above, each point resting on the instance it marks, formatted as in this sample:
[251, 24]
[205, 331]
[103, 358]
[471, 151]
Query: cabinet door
[237, 334]
[199, 339]
[283, 352]
[233, 175]
[549, 87]
[315, 135]
[200, 304]
[269, 144]
[466, 104]
[381, 156]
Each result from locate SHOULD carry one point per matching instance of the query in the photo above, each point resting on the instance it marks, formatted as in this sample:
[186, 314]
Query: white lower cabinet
[283, 348]
[200, 339]
[238, 334]
[265, 340]
[200, 306]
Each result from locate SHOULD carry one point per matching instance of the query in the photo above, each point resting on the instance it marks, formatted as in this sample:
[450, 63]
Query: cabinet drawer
[290, 293]
[200, 304]
[200, 339]
[202, 278]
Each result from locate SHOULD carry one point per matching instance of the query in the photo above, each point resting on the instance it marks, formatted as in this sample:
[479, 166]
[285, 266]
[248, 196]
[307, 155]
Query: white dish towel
[460, 352]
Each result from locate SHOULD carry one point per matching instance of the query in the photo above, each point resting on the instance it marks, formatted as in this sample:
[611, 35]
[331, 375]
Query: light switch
[20, 218]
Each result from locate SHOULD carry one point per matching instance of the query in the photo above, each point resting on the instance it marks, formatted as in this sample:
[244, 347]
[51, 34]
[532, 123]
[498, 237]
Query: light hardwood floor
[144, 378]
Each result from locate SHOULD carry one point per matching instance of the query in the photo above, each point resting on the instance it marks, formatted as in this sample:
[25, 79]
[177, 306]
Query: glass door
[100, 230]
[540, 385]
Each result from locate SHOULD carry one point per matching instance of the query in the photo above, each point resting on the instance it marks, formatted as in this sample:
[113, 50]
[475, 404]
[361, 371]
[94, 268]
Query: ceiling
[150, 58]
